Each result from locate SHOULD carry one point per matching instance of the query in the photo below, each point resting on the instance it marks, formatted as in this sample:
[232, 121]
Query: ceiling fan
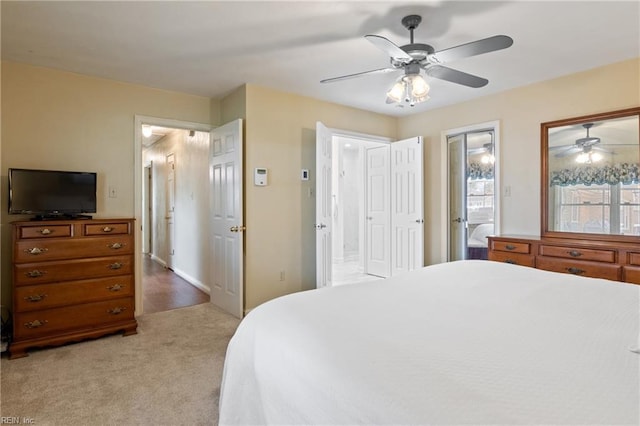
[414, 57]
[585, 145]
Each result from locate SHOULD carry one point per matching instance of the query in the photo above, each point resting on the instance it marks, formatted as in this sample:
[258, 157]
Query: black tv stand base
[62, 217]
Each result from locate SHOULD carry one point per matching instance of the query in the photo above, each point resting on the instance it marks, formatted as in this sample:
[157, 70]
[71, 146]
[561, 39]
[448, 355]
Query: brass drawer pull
[575, 271]
[116, 246]
[116, 265]
[35, 297]
[116, 311]
[107, 229]
[35, 324]
[574, 253]
[510, 247]
[35, 273]
[36, 250]
[115, 287]
[45, 231]
[513, 262]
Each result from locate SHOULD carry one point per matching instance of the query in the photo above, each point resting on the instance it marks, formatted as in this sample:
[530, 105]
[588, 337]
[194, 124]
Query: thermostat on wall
[260, 177]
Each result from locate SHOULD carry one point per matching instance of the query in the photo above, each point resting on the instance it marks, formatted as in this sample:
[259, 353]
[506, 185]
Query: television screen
[51, 192]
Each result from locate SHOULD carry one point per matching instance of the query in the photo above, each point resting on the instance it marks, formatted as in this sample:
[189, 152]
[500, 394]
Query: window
[598, 209]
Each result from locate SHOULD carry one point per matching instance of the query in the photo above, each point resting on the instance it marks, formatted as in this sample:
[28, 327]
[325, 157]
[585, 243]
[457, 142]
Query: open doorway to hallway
[174, 222]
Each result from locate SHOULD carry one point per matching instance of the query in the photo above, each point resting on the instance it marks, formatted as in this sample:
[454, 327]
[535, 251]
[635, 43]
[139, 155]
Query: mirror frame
[544, 177]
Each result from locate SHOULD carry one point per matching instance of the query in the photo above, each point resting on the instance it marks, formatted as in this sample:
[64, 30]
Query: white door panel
[170, 209]
[227, 236]
[407, 200]
[324, 148]
[378, 255]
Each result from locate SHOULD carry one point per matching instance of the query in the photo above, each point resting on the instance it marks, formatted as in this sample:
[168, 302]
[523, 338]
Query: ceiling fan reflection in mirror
[586, 147]
[411, 58]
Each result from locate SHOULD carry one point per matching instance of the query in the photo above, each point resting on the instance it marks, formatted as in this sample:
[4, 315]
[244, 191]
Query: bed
[467, 342]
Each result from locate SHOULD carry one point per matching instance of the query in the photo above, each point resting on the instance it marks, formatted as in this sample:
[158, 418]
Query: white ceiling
[210, 48]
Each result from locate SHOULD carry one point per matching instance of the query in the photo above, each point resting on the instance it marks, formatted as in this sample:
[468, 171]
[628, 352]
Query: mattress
[467, 342]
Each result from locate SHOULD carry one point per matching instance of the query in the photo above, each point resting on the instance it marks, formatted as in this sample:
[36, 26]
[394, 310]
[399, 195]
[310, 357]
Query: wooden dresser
[72, 280]
[597, 259]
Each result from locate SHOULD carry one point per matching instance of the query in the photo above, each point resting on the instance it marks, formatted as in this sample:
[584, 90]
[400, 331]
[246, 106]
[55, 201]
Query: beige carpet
[167, 374]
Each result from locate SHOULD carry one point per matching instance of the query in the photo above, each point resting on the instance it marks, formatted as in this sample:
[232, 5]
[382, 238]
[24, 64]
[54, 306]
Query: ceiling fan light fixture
[588, 157]
[410, 88]
[419, 87]
[396, 93]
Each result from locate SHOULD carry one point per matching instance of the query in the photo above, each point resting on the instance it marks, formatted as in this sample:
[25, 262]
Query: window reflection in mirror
[592, 172]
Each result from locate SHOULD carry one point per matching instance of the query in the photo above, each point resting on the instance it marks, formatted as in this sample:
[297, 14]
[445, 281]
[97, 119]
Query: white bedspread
[469, 342]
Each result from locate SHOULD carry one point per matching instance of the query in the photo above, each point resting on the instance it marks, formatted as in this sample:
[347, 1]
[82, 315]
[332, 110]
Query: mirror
[590, 167]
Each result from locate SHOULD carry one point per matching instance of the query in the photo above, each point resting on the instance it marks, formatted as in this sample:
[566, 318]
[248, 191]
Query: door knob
[458, 220]
[320, 226]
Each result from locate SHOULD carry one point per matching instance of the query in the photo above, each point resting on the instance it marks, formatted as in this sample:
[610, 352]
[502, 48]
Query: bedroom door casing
[457, 146]
[227, 236]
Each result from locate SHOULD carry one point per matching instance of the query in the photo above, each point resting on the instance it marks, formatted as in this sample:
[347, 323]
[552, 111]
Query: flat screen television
[52, 193]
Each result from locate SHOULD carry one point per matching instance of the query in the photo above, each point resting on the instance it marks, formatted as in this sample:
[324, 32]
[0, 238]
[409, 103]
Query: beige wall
[59, 120]
[280, 135]
[520, 112]
[53, 119]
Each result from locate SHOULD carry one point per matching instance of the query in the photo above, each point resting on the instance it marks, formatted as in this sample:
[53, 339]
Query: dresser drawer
[72, 318]
[578, 253]
[116, 228]
[579, 267]
[513, 258]
[69, 270]
[44, 296]
[631, 274]
[511, 247]
[634, 259]
[72, 248]
[41, 231]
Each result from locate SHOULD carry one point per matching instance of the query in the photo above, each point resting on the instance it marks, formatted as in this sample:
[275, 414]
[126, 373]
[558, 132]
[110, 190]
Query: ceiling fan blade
[455, 76]
[358, 74]
[570, 151]
[388, 46]
[474, 48]
[606, 151]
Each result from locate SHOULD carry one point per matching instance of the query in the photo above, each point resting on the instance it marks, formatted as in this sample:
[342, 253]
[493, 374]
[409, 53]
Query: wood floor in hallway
[164, 290]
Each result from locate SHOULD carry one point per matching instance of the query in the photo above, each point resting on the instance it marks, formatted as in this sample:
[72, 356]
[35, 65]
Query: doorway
[472, 183]
[348, 206]
[379, 231]
[172, 172]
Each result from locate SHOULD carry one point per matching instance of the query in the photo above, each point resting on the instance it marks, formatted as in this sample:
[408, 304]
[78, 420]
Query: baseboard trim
[157, 259]
[191, 280]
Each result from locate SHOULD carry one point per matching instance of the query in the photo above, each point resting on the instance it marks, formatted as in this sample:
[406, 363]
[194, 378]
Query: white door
[226, 188]
[406, 205]
[324, 148]
[171, 208]
[457, 149]
[378, 247]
